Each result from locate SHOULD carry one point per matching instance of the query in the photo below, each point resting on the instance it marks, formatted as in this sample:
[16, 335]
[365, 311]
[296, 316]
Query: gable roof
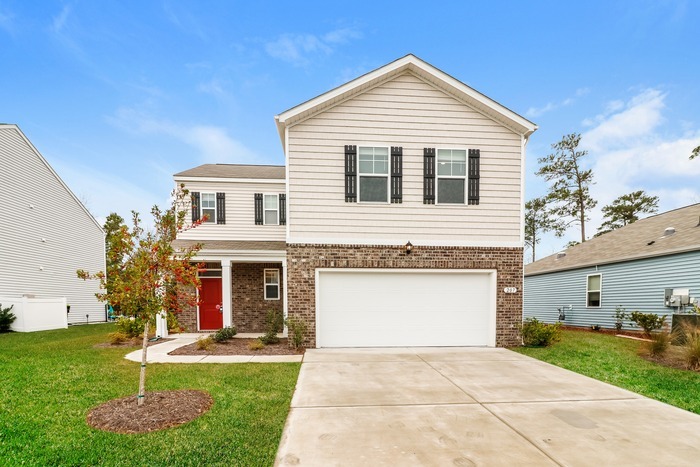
[642, 239]
[11, 127]
[260, 172]
[413, 64]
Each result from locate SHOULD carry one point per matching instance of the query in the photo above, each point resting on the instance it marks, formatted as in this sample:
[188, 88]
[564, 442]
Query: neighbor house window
[451, 176]
[271, 210]
[593, 290]
[209, 207]
[272, 284]
[373, 174]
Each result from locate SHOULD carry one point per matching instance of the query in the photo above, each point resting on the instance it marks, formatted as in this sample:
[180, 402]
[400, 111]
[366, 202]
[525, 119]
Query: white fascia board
[250, 256]
[279, 181]
[400, 243]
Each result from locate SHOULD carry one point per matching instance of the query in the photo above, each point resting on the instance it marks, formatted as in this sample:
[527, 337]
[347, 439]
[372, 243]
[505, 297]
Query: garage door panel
[401, 308]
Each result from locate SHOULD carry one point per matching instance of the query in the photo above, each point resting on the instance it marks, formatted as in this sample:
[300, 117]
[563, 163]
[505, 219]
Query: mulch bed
[239, 346]
[160, 410]
[673, 358]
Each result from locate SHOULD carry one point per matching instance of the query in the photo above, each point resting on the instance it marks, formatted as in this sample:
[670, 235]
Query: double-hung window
[451, 176]
[271, 203]
[593, 290]
[272, 284]
[209, 207]
[373, 174]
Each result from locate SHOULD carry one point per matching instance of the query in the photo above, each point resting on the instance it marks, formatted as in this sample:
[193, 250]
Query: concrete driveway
[472, 406]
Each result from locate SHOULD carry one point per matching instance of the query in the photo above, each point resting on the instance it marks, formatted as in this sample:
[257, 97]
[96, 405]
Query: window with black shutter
[474, 161]
[429, 176]
[350, 174]
[283, 209]
[195, 206]
[220, 208]
[396, 174]
[258, 209]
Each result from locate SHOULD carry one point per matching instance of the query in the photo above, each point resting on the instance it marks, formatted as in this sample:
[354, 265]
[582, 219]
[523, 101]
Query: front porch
[241, 283]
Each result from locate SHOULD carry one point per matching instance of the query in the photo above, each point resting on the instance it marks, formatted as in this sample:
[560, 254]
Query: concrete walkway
[159, 353]
[468, 407]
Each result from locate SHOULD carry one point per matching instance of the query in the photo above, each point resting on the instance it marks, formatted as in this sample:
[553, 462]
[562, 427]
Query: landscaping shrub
[691, 346]
[224, 334]
[173, 323]
[205, 343]
[116, 338]
[620, 316]
[659, 343]
[132, 327]
[647, 321]
[6, 318]
[274, 321]
[257, 344]
[538, 334]
[297, 328]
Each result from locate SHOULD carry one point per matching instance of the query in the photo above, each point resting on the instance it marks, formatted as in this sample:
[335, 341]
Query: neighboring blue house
[634, 267]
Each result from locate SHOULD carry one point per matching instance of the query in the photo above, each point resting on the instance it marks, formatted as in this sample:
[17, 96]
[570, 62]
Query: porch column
[284, 297]
[226, 295]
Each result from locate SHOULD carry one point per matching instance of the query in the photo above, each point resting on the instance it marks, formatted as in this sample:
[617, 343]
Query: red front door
[210, 312]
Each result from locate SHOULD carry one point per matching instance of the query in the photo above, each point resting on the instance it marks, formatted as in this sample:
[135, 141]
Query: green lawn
[615, 361]
[49, 381]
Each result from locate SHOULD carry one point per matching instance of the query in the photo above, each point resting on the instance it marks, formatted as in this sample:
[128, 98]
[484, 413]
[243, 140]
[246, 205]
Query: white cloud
[213, 144]
[299, 48]
[60, 20]
[550, 106]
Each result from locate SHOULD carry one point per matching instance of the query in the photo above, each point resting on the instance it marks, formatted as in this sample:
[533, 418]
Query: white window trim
[265, 284]
[600, 291]
[454, 177]
[388, 175]
[212, 219]
[277, 208]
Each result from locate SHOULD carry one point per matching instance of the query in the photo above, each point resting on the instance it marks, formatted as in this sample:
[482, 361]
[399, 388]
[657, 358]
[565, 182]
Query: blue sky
[118, 96]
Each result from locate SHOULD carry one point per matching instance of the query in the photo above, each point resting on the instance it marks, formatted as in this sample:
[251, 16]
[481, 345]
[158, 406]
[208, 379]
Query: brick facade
[249, 307]
[302, 261]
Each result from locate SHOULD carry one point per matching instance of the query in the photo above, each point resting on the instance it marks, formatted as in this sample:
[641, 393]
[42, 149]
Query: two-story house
[396, 221]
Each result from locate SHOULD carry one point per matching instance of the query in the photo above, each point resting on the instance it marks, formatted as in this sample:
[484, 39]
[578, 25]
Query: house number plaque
[510, 290]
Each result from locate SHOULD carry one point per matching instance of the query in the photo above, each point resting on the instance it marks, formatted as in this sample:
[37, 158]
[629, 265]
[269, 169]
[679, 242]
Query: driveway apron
[469, 407]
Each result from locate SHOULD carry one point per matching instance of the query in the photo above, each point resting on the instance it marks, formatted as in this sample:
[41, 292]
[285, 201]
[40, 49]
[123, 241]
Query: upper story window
[451, 176]
[593, 290]
[209, 207]
[373, 174]
[271, 204]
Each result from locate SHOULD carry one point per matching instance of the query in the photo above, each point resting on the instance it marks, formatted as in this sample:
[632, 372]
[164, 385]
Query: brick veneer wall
[303, 260]
[249, 305]
[187, 318]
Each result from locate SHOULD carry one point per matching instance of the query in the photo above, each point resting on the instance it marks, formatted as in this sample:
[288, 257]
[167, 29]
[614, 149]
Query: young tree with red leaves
[153, 276]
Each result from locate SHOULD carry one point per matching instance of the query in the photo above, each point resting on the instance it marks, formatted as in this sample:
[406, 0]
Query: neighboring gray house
[634, 267]
[396, 220]
[46, 234]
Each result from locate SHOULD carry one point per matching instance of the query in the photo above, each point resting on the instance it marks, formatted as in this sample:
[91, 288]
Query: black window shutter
[195, 206]
[258, 209]
[473, 187]
[220, 208]
[283, 209]
[350, 174]
[396, 174]
[429, 176]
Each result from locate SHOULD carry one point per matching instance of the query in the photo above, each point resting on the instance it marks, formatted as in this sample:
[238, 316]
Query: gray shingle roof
[232, 245]
[235, 171]
[642, 239]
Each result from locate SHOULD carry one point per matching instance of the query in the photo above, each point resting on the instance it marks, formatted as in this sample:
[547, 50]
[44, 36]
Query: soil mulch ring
[160, 410]
[239, 346]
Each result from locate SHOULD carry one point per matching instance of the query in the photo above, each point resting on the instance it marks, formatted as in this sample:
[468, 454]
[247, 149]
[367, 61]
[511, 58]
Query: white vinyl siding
[53, 238]
[240, 212]
[411, 113]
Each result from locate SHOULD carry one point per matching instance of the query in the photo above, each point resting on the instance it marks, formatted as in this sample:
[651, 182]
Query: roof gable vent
[561, 254]
[669, 231]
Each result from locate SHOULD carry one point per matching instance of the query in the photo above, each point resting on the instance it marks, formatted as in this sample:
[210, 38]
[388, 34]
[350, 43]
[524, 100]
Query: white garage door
[390, 308]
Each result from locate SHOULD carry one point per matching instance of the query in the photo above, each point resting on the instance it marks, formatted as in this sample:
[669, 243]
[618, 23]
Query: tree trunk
[142, 377]
[583, 223]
